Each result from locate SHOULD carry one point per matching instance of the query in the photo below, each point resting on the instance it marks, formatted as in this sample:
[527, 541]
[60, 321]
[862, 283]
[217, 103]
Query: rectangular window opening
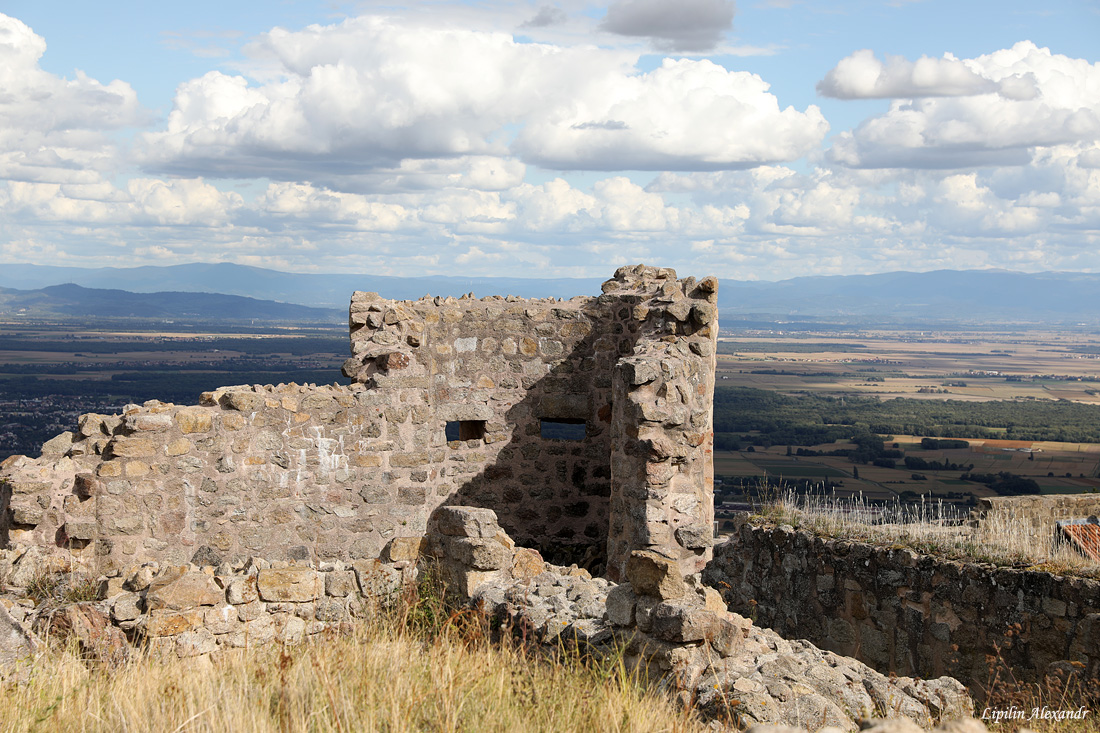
[562, 428]
[465, 430]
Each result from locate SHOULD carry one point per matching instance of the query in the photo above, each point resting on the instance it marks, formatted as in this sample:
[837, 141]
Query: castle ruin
[503, 437]
[585, 424]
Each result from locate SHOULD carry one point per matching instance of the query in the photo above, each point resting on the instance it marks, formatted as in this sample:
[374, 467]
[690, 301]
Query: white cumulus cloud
[862, 76]
[684, 115]
[349, 106]
[52, 130]
[1033, 98]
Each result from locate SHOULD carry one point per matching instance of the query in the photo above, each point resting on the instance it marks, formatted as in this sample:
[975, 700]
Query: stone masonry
[911, 614]
[293, 472]
[477, 432]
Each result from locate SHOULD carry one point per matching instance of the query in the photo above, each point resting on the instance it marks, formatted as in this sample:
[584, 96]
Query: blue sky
[756, 140]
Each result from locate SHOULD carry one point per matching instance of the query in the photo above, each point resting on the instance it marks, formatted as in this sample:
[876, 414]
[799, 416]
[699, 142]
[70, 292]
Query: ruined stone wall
[278, 472]
[330, 473]
[514, 363]
[1040, 513]
[907, 613]
[499, 367]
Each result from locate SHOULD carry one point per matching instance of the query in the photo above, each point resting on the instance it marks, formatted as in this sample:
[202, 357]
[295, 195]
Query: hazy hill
[323, 291]
[76, 301]
[996, 296]
[970, 296]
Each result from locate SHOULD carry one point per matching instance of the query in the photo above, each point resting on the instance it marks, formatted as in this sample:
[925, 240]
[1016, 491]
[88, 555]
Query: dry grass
[420, 671]
[930, 527]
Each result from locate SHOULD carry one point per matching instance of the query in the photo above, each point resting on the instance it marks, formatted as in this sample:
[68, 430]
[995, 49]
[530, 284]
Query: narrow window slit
[562, 429]
[465, 430]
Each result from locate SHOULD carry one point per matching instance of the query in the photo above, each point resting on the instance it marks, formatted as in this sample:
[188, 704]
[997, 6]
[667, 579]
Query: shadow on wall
[527, 391]
[550, 481]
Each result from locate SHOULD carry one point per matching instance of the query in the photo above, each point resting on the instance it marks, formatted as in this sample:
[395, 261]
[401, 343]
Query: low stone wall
[907, 613]
[326, 472]
[191, 610]
[1040, 513]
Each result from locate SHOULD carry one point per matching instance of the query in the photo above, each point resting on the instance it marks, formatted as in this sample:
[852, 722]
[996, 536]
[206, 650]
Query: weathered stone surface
[527, 563]
[454, 521]
[340, 583]
[621, 603]
[377, 581]
[404, 549]
[195, 643]
[126, 607]
[91, 627]
[858, 588]
[240, 591]
[17, 643]
[147, 423]
[127, 447]
[242, 401]
[684, 621]
[206, 556]
[188, 590]
[194, 421]
[479, 554]
[720, 659]
[34, 563]
[57, 446]
[695, 536]
[164, 622]
[653, 574]
[290, 584]
[140, 578]
[339, 476]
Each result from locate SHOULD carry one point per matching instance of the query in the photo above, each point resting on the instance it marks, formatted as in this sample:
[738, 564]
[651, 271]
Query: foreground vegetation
[419, 669]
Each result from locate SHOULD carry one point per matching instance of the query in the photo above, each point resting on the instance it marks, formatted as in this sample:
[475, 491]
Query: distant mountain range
[319, 291]
[968, 296]
[74, 301]
[957, 296]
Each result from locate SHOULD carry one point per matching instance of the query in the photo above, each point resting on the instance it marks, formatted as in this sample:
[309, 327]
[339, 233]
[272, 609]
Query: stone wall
[280, 472]
[1039, 512]
[670, 630]
[293, 472]
[907, 613]
[194, 609]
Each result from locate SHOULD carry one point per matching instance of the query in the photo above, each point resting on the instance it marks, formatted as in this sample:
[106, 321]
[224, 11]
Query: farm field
[969, 366]
[1057, 469]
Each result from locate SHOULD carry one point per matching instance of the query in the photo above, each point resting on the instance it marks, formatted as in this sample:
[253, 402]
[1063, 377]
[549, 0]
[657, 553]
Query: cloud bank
[352, 103]
[379, 144]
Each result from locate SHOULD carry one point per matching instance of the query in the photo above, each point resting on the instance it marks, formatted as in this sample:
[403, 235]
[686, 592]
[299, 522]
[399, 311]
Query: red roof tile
[1086, 537]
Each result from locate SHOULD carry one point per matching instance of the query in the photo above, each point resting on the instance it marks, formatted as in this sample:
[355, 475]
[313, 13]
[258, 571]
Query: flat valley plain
[1059, 366]
[958, 365]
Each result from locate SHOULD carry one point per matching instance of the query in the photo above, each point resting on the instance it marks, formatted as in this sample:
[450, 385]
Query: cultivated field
[1080, 461]
[923, 364]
